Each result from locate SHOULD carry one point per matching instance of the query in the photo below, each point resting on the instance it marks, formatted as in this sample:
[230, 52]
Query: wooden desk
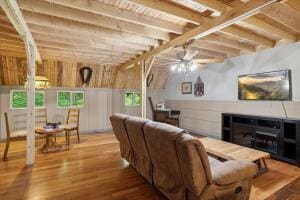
[50, 145]
[230, 151]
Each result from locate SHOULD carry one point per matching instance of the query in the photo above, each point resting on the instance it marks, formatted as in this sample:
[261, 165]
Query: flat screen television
[275, 85]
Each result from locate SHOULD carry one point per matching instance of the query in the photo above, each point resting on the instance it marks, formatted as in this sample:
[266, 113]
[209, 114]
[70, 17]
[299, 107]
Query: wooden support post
[14, 14]
[144, 89]
[146, 68]
[30, 51]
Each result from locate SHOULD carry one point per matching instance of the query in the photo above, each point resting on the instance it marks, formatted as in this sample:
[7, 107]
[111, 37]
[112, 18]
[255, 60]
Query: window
[18, 99]
[132, 99]
[67, 99]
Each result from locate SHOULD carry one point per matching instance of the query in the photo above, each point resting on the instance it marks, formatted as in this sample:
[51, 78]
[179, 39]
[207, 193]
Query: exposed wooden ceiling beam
[66, 45]
[88, 37]
[208, 61]
[69, 44]
[11, 42]
[285, 15]
[88, 43]
[12, 53]
[251, 21]
[245, 35]
[10, 36]
[173, 10]
[85, 29]
[214, 5]
[264, 26]
[229, 18]
[91, 18]
[229, 42]
[216, 47]
[12, 11]
[114, 57]
[57, 47]
[120, 14]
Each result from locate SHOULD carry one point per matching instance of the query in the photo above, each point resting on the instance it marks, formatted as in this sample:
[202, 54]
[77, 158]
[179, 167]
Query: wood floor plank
[94, 169]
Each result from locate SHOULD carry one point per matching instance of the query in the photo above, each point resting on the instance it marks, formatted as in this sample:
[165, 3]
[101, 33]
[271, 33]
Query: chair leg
[67, 141]
[78, 135]
[69, 137]
[6, 150]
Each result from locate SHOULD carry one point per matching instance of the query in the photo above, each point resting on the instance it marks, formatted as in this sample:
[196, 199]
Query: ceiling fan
[187, 58]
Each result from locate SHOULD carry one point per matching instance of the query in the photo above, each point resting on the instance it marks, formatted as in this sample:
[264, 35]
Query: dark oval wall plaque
[86, 75]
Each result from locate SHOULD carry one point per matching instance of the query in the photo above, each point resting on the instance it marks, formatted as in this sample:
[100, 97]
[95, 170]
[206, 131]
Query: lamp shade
[40, 82]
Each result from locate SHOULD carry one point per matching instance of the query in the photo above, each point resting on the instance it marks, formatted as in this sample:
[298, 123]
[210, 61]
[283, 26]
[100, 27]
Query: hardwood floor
[94, 169]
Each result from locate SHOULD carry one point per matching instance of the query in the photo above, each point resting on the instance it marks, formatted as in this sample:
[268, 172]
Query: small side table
[50, 145]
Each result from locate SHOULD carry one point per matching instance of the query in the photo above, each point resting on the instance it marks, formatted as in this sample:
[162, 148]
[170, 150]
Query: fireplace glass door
[266, 141]
[243, 135]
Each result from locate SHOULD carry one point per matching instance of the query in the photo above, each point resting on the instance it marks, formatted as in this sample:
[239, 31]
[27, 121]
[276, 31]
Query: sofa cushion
[194, 163]
[233, 171]
[142, 161]
[213, 161]
[118, 124]
[161, 142]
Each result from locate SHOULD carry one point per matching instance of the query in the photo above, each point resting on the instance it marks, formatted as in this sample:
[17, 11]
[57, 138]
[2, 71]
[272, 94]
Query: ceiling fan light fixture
[40, 82]
[184, 66]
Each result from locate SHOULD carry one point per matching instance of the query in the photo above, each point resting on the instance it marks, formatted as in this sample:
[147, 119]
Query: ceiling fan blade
[190, 54]
[209, 61]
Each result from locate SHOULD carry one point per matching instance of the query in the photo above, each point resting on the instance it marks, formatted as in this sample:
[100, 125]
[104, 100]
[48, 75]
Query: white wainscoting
[204, 117]
[100, 103]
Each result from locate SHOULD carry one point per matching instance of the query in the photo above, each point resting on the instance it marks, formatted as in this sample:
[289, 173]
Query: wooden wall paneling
[51, 72]
[78, 78]
[59, 73]
[21, 65]
[69, 74]
[1, 72]
[98, 76]
[66, 74]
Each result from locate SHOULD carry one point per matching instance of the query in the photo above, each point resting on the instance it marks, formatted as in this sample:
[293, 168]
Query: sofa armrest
[233, 171]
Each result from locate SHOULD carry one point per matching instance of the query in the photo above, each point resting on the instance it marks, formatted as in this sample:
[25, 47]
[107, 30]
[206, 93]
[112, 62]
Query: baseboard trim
[81, 132]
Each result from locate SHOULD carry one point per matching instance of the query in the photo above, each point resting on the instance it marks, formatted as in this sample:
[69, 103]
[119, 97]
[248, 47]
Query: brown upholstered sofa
[177, 164]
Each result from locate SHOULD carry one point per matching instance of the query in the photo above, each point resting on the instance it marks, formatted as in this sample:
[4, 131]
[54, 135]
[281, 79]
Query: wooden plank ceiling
[111, 33]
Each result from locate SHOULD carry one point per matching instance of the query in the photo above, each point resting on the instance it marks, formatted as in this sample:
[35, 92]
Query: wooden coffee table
[230, 151]
[50, 145]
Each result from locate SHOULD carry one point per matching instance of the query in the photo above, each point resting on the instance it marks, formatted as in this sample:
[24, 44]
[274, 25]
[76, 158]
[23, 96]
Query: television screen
[274, 85]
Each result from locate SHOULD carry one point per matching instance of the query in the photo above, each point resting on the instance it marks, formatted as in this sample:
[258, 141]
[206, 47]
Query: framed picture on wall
[186, 87]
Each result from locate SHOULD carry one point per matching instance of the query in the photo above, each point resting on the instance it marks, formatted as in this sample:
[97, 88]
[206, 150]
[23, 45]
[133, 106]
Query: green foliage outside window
[39, 99]
[63, 99]
[132, 99]
[67, 99]
[19, 99]
[77, 99]
[137, 98]
[128, 99]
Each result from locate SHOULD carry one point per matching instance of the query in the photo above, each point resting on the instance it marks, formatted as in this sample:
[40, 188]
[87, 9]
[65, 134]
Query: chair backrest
[7, 125]
[151, 104]
[41, 117]
[73, 117]
[142, 161]
[118, 124]
[161, 142]
[194, 163]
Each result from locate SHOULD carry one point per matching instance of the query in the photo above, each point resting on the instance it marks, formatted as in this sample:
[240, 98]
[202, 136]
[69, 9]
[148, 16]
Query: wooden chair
[72, 124]
[41, 116]
[19, 135]
[12, 136]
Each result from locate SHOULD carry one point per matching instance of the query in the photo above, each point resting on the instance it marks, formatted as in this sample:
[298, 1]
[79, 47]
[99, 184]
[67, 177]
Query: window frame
[20, 90]
[71, 98]
[133, 101]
